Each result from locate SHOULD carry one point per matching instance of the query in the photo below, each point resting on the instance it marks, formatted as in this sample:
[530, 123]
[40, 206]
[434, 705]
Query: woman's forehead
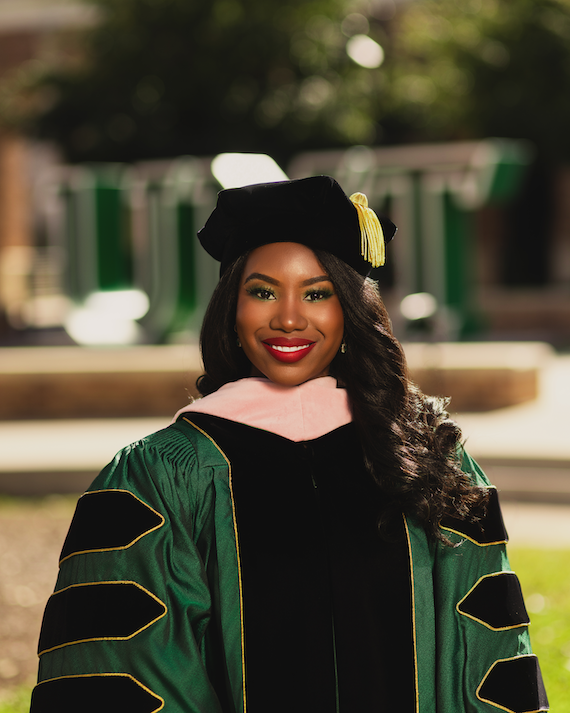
[284, 257]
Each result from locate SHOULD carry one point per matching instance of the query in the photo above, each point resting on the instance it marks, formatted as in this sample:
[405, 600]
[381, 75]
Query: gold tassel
[372, 245]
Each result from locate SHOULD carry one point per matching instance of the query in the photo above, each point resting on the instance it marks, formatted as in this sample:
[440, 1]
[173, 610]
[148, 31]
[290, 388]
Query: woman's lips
[288, 350]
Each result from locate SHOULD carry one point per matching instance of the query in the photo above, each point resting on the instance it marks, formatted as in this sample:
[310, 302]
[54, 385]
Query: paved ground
[31, 536]
[537, 525]
[525, 450]
[535, 431]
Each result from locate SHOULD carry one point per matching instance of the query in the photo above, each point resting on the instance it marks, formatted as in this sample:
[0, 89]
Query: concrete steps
[66, 411]
[88, 382]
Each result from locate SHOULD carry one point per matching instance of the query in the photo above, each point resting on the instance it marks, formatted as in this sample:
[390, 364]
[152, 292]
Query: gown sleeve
[484, 657]
[137, 617]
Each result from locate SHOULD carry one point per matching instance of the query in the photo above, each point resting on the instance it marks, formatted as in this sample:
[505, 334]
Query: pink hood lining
[299, 413]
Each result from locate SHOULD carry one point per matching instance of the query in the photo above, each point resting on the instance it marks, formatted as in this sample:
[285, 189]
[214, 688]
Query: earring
[343, 348]
[238, 342]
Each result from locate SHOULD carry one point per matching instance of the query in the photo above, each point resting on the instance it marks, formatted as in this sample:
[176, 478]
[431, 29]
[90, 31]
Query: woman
[310, 535]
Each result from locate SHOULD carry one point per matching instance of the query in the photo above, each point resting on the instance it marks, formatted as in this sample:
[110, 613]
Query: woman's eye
[317, 295]
[262, 293]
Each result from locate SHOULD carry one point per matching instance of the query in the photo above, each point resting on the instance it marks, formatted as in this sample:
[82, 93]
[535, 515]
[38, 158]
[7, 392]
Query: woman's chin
[287, 376]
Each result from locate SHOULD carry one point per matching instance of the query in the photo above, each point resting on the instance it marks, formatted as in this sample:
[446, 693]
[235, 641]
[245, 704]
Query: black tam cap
[313, 211]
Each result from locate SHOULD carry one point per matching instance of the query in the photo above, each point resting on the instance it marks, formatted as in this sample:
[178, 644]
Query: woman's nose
[289, 316]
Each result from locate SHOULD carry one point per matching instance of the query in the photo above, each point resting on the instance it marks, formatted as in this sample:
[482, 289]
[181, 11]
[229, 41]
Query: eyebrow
[273, 281]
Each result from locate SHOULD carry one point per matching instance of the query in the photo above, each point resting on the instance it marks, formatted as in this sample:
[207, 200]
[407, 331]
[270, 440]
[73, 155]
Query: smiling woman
[310, 535]
[288, 314]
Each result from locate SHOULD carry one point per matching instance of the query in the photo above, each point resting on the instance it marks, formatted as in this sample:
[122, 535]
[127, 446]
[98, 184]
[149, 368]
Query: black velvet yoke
[327, 602]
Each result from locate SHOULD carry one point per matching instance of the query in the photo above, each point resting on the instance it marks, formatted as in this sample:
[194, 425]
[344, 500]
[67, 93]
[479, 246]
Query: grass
[545, 579]
[17, 701]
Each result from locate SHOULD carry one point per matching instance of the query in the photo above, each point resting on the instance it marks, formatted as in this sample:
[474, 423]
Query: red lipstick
[288, 350]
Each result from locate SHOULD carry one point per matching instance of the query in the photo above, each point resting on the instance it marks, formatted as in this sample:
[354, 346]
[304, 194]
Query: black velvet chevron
[515, 685]
[96, 611]
[490, 529]
[112, 693]
[109, 519]
[497, 602]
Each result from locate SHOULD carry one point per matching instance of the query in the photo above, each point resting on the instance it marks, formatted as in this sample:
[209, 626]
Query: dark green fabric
[191, 658]
[462, 651]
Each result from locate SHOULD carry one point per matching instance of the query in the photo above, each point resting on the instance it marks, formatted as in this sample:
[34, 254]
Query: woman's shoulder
[181, 441]
[178, 457]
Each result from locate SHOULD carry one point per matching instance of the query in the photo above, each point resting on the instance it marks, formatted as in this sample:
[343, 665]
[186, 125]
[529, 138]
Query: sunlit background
[112, 113]
[121, 119]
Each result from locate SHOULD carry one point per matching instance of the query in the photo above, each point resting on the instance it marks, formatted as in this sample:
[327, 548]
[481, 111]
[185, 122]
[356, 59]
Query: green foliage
[485, 68]
[545, 579]
[157, 78]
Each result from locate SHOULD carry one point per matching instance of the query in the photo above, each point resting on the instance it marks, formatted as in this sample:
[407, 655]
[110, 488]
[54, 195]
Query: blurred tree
[158, 78]
[480, 68]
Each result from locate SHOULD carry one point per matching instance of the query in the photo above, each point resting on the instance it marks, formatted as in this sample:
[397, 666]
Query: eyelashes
[318, 295]
[265, 294]
[262, 293]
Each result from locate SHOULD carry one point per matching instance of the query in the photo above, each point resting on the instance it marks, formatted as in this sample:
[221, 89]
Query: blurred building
[30, 31]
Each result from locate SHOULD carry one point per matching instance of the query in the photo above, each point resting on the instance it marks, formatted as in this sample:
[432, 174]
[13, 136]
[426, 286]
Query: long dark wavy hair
[409, 442]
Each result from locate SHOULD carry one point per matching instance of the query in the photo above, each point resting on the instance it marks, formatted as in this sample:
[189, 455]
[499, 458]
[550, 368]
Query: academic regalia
[231, 562]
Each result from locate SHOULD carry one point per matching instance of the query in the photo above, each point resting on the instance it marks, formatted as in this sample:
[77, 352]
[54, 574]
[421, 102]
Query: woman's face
[289, 319]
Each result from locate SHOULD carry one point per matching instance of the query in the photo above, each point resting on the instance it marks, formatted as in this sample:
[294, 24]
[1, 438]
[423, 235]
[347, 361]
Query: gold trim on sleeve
[414, 631]
[108, 638]
[109, 675]
[240, 584]
[480, 621]
[129, 544]
[498, 705]
[466, 537]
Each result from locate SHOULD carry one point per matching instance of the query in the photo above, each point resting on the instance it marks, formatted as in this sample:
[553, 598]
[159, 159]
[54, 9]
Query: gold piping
[497, 705]
[121, 547]
[480, 621]
[107, 675]
[242, 630]
[414, 631]
[466, 537]
[479, 544]
[107, 638]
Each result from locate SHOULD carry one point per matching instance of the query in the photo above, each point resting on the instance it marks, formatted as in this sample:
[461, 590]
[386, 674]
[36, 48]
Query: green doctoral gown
[214, 567]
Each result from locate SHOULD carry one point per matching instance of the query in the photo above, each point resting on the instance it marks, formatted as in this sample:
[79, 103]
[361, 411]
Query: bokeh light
[365, 51]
